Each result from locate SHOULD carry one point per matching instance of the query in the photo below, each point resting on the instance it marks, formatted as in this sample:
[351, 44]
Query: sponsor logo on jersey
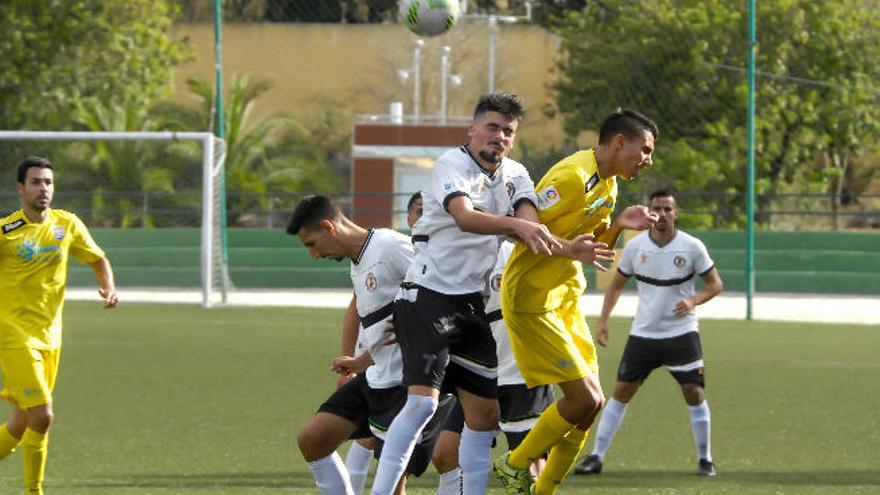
[679, 261]
[58, 231]
[547, 198]
[371, 282]
[9, 227]
[595, 205]
[591, 183]
[31, 250]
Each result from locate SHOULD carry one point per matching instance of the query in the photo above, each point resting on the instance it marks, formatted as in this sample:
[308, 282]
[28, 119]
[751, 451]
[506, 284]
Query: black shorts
[445, 342]
[424, 449]
[682, 355]
[520, 408]
[365, 406]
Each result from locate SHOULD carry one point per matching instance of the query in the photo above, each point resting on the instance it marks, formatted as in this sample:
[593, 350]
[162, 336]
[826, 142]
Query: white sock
[357, 461]
[610, 421]
[700, 423]
[400, 440]
[450, 482]
[475, 459]
[331, 476]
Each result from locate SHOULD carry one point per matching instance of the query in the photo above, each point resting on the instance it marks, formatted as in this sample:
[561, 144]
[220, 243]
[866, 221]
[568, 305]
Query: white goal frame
[214, 267]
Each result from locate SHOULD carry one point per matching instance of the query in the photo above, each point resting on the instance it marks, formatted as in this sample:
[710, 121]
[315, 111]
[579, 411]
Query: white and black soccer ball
[429, 17]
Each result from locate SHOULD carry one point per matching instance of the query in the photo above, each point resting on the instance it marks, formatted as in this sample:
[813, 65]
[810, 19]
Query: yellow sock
[562, 458]
[547, 432]
[8, 443]
[33, 452]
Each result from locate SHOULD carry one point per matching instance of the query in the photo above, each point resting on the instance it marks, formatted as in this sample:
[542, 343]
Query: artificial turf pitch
[174, 399]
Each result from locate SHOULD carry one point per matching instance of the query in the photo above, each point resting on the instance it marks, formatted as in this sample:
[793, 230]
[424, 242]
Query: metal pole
[220, 131]
[750, 178]
[417, 78]
[444, 80]
[493, 25]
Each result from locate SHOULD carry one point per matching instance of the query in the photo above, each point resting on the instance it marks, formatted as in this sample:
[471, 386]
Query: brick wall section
[376, 175]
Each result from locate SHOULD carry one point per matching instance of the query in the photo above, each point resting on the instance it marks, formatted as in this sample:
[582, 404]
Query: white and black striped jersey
[376, 275]
[665, 275]
[508, 371]
[449, 260]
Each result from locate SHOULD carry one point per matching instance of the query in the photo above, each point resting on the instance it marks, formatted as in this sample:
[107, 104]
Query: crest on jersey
[495, 282]
[644, 257]
[371, 282]
[679, 261]
[547, 198]
[58, 231]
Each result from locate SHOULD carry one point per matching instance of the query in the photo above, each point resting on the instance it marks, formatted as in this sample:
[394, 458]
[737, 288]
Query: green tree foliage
[277, 153]
[683, 63]
[84, 65]
[55, 54]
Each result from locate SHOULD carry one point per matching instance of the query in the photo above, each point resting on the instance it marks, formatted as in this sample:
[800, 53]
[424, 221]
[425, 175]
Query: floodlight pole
[493, 27]
[417, 78]
[444, 81]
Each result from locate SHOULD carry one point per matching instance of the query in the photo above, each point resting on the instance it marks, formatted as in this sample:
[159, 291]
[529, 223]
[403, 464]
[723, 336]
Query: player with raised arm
[540, 295]
[475, 194]
[665, 262]
[36, 243]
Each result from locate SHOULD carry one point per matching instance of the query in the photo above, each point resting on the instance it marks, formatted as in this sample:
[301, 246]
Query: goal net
[154, 200]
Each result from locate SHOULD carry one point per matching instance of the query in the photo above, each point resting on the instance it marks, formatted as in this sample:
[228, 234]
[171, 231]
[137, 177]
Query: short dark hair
[507, 104]
[627, 122]
[29, 162]
[310, 212]
[412, 200]
[663, 193]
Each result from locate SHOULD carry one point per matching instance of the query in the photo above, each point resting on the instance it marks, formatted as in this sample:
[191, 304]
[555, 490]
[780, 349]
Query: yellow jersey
[572, 200]
[33, 275]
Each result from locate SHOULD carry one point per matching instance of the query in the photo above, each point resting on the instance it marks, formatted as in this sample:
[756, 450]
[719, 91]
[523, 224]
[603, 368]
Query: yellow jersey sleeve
[82, 246]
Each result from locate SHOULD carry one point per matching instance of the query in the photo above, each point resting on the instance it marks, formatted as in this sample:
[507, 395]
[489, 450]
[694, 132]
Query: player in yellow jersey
[35, 244]
[540, 294]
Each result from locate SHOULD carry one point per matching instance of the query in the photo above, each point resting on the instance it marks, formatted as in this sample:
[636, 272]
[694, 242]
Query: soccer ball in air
[429, 17]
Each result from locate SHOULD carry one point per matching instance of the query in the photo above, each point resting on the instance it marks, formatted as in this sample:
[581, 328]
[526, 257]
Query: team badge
[495, 283]
[644, 257]
[58, 231]
[547, 198]
[447, 186]
[371, 282]
[511, 190]
[679, 261]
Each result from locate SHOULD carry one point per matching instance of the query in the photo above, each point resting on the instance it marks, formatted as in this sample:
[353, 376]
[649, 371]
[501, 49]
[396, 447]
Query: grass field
[162, 399]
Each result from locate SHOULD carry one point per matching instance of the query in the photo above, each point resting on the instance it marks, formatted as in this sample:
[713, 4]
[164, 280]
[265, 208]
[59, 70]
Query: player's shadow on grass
[654, 478]
[283, 479]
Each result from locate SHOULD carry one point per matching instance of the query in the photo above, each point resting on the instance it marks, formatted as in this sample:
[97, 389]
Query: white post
[417, 80]
[444, 80]
[207, 219]
[493, 27]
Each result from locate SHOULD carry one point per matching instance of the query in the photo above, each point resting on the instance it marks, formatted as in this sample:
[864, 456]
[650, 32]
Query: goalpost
[214, 269]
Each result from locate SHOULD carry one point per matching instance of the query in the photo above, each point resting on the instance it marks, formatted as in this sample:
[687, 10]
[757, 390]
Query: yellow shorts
[28, 375]
[552, 347]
